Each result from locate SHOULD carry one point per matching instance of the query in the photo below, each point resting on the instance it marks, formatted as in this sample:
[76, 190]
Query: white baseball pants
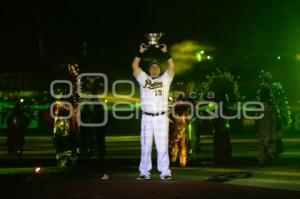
[157, 127]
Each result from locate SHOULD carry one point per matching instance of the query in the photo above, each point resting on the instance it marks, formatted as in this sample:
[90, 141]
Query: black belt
[154, 114]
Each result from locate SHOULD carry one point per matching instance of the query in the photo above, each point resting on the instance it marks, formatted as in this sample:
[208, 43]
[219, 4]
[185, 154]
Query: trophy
[153, 39]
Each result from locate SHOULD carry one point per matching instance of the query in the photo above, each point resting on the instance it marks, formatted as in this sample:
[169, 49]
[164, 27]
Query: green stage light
[211, 105]
[187, 53]
[199, 56]
[137, 105]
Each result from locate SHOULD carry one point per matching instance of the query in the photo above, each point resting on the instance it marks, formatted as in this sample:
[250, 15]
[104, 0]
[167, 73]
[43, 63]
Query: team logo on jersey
[152, 85]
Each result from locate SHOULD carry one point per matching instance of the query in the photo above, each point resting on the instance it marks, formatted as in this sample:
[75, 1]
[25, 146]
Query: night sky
[37, 37]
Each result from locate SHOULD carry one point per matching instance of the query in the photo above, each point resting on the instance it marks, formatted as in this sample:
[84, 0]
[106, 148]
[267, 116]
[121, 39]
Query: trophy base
[159, 46]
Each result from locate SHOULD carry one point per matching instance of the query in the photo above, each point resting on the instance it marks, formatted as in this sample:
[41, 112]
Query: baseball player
[154, 89]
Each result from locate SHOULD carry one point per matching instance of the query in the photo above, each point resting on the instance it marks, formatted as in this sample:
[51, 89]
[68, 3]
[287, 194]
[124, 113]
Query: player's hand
[164, 48]
[143, 48]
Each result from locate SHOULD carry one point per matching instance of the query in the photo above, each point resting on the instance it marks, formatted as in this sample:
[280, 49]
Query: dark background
[37, 36]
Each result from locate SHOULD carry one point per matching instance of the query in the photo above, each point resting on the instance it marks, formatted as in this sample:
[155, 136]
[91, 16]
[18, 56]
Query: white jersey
[154, 92]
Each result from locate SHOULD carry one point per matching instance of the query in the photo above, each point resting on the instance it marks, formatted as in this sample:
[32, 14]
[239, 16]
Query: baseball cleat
[143, 177]
[166, 177]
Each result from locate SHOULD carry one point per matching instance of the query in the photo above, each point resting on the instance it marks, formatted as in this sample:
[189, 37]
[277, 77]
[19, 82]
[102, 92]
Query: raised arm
[171, 65]
[137, 59]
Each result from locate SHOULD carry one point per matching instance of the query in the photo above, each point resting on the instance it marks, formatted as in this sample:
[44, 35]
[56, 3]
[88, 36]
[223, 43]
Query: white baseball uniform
[155, 121]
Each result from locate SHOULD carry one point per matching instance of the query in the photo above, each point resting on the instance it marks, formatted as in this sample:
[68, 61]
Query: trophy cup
[153, 39]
